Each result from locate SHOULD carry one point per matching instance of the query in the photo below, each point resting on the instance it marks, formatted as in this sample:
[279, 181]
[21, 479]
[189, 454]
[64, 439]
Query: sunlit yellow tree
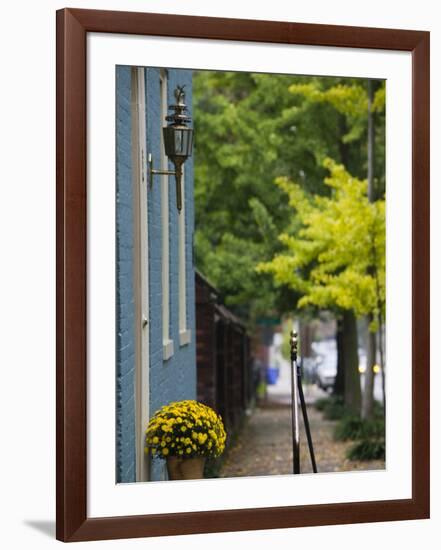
[335, 254]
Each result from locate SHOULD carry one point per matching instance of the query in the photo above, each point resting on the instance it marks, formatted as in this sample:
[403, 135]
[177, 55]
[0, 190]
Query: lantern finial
[179, 117]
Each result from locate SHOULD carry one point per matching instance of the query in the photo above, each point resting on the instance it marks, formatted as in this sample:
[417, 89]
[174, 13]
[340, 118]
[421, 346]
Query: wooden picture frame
[72, 523]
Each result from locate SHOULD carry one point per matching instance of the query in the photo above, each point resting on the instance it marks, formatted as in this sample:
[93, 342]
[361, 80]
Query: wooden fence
[224, 362]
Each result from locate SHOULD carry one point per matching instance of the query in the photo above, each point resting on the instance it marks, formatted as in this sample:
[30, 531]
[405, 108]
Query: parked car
[326, 369]
[326, 373]
[325, 363]
[309, 369]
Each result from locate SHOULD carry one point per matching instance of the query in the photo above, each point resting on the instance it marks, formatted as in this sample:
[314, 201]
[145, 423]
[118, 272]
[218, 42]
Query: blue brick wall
[125, 312]
[175, 378]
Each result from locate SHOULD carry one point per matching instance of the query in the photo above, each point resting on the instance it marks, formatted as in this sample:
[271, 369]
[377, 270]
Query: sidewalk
[265, 445]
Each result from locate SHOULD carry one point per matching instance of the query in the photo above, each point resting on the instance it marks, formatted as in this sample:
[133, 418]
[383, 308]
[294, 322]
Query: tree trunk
[371, 144]
[368, 390]
[382, 362]
[367, 409]
[339, 383]
[350, 352]
[305, 333]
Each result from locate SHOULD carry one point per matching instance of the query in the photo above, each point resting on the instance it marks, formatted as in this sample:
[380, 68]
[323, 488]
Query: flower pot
[185, 468]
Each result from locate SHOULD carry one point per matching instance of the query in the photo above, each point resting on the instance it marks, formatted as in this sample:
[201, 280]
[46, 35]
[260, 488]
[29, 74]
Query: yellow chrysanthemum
[203, 428]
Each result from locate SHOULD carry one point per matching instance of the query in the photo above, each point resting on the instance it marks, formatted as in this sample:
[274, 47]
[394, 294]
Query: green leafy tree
[251, 128]
[329, 253]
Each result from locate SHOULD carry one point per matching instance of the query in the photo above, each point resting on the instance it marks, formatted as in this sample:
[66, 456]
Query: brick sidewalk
[265, 447]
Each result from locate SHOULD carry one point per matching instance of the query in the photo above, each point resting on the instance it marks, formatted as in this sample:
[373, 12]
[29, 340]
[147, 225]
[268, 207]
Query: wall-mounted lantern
[178, 142]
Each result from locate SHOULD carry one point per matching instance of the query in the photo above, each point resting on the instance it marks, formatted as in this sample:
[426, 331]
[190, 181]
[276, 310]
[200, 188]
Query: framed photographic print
[242, 274]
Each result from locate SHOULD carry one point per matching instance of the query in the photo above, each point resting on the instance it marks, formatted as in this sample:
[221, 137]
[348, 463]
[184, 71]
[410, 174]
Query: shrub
[261, 390]
[353, 427]
[333, 408]
[378, 409]
[367, 449]
[349, 427]
[322, 403]
[213, 467]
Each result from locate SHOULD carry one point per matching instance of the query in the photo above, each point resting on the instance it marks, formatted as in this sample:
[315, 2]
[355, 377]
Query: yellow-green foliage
[185, 429]
[351, 100]
[337, 257]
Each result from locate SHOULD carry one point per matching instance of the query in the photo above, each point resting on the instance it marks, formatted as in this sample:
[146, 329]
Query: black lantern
[178, 142]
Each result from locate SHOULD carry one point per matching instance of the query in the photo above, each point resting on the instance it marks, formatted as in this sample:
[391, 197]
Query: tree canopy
[250, 130]
[335, 256]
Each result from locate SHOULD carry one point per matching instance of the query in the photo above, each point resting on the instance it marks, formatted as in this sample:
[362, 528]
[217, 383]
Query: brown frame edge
[72, 523]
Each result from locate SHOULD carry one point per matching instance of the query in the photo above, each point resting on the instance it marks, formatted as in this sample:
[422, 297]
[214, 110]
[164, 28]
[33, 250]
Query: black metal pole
[295, 406]
[305, 420]
[297, 390]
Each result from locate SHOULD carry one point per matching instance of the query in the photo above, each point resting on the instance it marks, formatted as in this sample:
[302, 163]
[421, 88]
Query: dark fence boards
[224, 363]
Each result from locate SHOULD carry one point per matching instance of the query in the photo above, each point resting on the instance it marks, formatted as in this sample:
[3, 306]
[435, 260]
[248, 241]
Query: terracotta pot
[185, 468]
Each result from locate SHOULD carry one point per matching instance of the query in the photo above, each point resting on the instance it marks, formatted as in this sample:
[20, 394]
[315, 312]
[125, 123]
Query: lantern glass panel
[169, 142]
[178, 142]
[189, 142]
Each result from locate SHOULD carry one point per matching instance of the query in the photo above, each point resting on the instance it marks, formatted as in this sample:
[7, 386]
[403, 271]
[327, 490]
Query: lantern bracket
[177, 173]
[153, 172]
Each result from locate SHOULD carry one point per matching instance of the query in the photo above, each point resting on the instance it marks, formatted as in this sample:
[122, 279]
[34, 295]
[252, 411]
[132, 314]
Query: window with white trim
[184, 333]
[166, 340]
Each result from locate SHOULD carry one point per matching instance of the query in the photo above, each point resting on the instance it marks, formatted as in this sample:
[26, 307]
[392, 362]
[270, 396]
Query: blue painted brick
[174, 379]
[125, 344]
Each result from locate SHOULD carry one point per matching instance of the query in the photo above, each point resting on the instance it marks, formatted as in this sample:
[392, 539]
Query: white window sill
[167, 349]
[184, 337]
